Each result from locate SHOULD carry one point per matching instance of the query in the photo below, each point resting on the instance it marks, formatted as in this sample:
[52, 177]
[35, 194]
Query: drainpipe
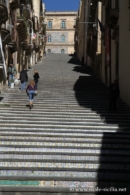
[85, 28]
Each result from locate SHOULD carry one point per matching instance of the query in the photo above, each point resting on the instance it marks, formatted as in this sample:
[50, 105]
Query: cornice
[70, 29]
[61, 45]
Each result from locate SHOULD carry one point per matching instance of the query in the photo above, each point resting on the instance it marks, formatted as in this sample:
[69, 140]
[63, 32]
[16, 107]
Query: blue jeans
[36, 84]
[23, 85]
[11, 77]
[31, 94]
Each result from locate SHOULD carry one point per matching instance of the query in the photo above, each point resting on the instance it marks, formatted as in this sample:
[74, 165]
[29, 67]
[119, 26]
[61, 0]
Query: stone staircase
[67, 143]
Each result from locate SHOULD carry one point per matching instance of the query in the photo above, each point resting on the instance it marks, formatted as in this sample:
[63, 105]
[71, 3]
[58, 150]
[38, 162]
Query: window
[62, 51]
[49, 24]
[49, 50]
[49, 38]
[63, 24]
[62, 38]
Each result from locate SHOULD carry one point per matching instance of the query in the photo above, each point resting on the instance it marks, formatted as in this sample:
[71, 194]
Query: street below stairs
[68, 142]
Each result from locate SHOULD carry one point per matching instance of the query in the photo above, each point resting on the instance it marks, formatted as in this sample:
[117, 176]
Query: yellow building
[60, 32]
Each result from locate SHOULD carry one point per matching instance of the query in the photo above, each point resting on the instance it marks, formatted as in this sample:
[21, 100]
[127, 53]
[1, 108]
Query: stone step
[6, 137]
[55, 121]
[63, 150]
[64, 145]
[65, 115]
[54, 157]
[121, 136]
[88, 175]
[65, 166]
[60, 101]
[50, 130]
[67, 145]
[51, 118]
[55, 187]
[59, 120]
[64, 127]
[63, 104]
[57, 109]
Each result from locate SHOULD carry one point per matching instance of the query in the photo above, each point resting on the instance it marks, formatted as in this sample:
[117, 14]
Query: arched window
[49, 24]
[49, 50]
[62, 38]
[49, 38]
[63, 24]
[62, 51]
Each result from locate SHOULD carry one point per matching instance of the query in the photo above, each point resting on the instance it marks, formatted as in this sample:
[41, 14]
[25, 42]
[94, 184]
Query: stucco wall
[57, 19]
[70, 50]
[57, 49]
[56, 31]
[71, 36]
[124, 52]
[56, 36]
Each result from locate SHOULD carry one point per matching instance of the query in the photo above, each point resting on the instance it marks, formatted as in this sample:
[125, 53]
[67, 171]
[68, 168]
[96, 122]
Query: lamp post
[31, 41]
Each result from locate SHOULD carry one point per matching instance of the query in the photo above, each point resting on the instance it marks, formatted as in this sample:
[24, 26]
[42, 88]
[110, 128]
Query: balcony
[24, 13]
[6, 36]
[22, 29]
[3, 12]
[12, 47]
[104, 2]
[28, 50]
[113, 15]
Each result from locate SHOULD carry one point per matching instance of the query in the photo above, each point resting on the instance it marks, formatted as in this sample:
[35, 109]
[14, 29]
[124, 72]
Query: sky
[61, 5]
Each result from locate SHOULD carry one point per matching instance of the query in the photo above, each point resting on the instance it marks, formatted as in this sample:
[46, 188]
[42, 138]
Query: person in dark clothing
[114, 94]
[82, 60]
[23, 78]
[11, 72]
[30, 90]
[36, 78]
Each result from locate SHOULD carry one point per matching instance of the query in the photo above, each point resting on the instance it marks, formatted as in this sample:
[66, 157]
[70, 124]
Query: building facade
[108, 44]
[60, 29]
[22, 35]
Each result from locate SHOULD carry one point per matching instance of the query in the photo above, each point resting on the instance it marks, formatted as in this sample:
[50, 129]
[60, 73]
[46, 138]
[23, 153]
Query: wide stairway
[67, 143]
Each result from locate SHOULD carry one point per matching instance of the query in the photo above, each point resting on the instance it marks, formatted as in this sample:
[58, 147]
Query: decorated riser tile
[64, 174]
[63, 144]
[62, 157]
[84, 151]
[61, 139]
[65, 165]
[52, 138]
